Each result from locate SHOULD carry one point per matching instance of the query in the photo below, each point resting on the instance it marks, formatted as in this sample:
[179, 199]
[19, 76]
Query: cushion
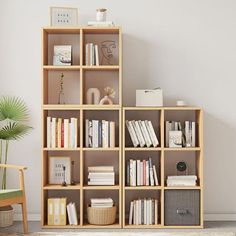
[10, 193]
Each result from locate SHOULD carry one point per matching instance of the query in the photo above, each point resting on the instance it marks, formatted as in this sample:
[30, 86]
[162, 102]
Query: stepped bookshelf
[165, 159]
[78, 78]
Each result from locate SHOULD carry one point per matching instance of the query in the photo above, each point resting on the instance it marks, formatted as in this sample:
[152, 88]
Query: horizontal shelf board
[164, 108]
[96, 187]
[183, 149]
[143, 187]
[183, 226]
[51, 67]
[115, 67]
[61, 149]
[182, 187]
[142, 149]
[61, 107]
[101, 30]
[101, 149]
[59, 187]
[101, 107]
[87, 225]
[183, 108]
[142, 226]
[62, 30]
[61, 226]
[142, 108]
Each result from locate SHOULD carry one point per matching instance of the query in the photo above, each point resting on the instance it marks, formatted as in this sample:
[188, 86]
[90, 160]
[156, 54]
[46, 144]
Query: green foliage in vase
[14, 115]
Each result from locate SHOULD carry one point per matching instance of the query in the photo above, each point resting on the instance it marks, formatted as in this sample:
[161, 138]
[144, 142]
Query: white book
[152, 133]
[132, 134]
[100, 23]
[141, 173]
[75, 132]
[87, 133]
[95, 133]
[155, 175]
[87, 54]
[101, 174]
[187, 134]
[69, 213]
[147, 173]
[56, 211]
[156, 212]
[100, 168]
[71, 124]
[168, 129]
[105, 134]
[66, 133]
[138, 172]
[145, 133]
[138, 133]
[131, 211]
[151, 172]
[74, 214]
[148, 212]
[145, 212]
[49, 139]
[181, 177]
[96, 55]
[134, 212]
[91, 54]
[193, 134]
[112, 134]
[90, 183]
[90, 134]
[54, 121]
[150, 207]
[134, 177]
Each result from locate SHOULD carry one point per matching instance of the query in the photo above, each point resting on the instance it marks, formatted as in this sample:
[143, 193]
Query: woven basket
[101, 216]
[6, 216]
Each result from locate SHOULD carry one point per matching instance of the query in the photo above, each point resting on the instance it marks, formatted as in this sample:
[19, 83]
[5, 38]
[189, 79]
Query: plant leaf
[13, 108]
[14, 131]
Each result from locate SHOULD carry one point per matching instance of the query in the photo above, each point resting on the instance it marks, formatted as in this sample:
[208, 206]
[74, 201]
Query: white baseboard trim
[207, 217]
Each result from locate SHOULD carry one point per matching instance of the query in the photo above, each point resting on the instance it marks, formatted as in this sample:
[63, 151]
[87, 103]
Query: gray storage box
[182, 207]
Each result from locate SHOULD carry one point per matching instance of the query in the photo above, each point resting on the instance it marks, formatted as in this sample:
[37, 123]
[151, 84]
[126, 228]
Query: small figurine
[109, 93]
[73, 171]
[64, 184]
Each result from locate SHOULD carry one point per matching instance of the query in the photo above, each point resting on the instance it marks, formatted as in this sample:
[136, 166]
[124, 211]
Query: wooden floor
[219, 226]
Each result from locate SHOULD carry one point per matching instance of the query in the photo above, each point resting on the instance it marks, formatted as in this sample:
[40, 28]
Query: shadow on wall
[219, 164]
[136, 72]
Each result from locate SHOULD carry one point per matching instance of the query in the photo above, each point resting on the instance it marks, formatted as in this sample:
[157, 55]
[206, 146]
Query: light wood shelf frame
[80, 108]
[162, 151]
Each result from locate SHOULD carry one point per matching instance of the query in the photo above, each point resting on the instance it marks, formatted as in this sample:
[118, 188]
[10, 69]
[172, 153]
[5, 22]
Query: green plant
[13, 117]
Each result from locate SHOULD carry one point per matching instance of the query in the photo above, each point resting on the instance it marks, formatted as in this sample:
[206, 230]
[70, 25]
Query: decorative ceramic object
[61, 93]
[93, 96]
[109, 93]
[101, 14]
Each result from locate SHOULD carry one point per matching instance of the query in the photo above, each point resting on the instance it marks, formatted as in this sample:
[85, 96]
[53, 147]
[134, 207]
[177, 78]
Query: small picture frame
[56, 172]
[175, 139]
[64, 16]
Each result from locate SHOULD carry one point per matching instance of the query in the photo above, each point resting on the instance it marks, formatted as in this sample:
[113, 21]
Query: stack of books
[91, 55]
[142, 133]
[57, 210]
[143, 212]
[182, 180]
[72, 214]
[62, 133]
[101, 175]
[101, 202]
[101, 23]
[141, 173]
[99, 133]
[186, 133]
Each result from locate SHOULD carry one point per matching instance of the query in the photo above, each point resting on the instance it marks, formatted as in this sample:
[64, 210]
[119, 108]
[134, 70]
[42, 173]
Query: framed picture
[56, 172]
[63, 16]
[62, 55]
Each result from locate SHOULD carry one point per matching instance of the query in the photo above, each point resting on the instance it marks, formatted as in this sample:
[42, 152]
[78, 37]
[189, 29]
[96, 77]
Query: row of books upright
[91, 54]
[142, 133]
[141, 173]
[62, 133]
[143, 212]
[186, 134]
[101, 175]
[99, 133]
[58, 211]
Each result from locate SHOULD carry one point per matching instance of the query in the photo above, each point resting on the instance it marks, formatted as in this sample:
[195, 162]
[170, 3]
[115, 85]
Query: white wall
[188, 47]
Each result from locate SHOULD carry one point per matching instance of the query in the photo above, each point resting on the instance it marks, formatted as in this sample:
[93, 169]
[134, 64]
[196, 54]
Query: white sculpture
[109, 93]
[93, 96]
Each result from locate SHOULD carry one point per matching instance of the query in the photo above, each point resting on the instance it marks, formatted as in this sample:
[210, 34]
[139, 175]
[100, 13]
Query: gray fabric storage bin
[182, 207]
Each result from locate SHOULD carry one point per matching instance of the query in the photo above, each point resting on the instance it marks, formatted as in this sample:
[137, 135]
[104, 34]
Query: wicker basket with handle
[101, 216]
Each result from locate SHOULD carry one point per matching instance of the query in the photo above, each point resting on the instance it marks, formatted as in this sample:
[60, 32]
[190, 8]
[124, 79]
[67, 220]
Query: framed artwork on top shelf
[63, 16]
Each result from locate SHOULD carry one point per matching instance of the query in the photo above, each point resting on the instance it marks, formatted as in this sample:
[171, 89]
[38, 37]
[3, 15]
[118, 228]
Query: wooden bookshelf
[165, 155]
[78, 78]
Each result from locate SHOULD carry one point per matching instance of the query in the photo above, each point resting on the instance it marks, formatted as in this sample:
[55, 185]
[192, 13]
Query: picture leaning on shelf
[179, 135]
[142, 133]
[141, 173]
[143, 212]
[62, 55]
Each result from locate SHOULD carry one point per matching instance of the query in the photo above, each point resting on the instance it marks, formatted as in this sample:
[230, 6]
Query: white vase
[106, 100]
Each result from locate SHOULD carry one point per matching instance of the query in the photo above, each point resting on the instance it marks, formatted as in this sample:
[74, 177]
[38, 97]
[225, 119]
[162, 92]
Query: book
[62, 211]
[59, 123]
[53, 133]
[152, 133]
[145, 133]
[112, 134]
[66, 133]
[49, 145]
[155, 175]
[132, 134]
[50, 211]
[193, 134]
[100, 168]
[138, 133]
[96, 56]
[131, 211]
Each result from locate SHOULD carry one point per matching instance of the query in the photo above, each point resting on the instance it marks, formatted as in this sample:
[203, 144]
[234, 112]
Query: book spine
[155, 175]
[49, 132]
[112, 134]
[147, 173]
[134, 177]
[53, 132]
[138, 133]
[87, 54]
[145, 133]
[153, 135]
[131, 210]
[62, 133]
[96, 55]
[144, 172]
[59, 122]
[156, 212]
[141, 173]
[132, 133]
[138, 172]
[75, 132]
[151, 172]
[193, 134]
[66, 133]
[50, 212]
[128, 173]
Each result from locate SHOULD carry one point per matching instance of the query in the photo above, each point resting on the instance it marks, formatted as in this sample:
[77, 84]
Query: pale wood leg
[24, 214]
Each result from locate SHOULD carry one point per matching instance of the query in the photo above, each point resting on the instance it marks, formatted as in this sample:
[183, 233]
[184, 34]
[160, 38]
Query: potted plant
[14, 116]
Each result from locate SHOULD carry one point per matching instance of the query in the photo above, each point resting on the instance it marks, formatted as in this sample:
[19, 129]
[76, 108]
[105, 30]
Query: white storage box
[149, 97]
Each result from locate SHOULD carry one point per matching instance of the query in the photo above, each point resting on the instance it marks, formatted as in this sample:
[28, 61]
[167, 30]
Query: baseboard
[207, 217]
